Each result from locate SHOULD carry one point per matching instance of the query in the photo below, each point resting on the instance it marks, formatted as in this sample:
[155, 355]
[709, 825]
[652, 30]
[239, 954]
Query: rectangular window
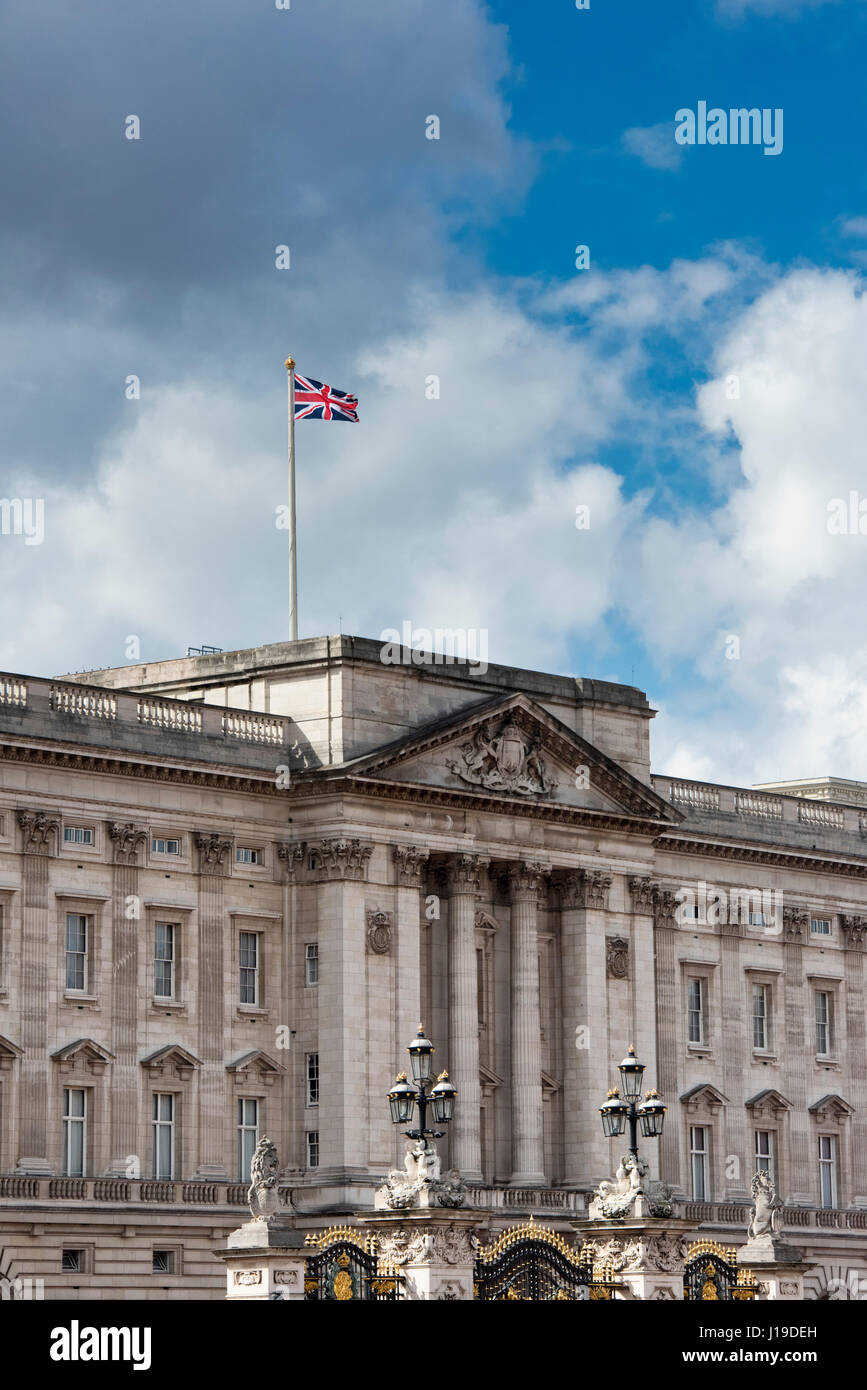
[757, 919]
[248, 1136]
[311, 963]
[76, 951]
[161, 846]
[761, 1030]
[74, 1132]
[164, 1262]
[72, 1261]
[249, 960]
[827, 1170]
[824, 1032]
[77, 835]
[698, 1155]
[765, 1152]
[164, 1136]
[248, 856]
[695, 1010]
[313, 1148]
[312, 1078]
[820, 926]
[164, 960]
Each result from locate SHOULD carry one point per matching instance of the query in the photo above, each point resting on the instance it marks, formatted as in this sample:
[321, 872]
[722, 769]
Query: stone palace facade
[231, 886]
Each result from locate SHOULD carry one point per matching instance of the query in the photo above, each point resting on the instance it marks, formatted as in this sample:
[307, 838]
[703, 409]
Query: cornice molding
[748, 854]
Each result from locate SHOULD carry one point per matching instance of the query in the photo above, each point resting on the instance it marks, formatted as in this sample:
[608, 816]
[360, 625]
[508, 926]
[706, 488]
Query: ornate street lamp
[617, 1111]
[403, 1097]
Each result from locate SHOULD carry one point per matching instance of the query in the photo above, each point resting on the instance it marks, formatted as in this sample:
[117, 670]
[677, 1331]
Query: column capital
[39, 832]
[291, 855]
[213, 850]
[795, 922]
[584, 888]
[127, 839]
[853, 931]
[462, 872]
[340, 859]
[410, 864]
[525, 879]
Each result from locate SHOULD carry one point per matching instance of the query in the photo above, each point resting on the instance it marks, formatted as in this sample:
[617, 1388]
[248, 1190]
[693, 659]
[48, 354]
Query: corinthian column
[462, 882]
[528, 1159]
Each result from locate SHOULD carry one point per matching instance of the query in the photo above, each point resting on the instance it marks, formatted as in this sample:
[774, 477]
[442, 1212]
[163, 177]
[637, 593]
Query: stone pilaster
[127, 841]
[434, 1251]
[650, 899]
[856, 1046]
[462, 884]
[214, 867]
[528, 1156]
[39, 832]
[647, 1256]
[340, 869]
[798, 1020]
[585, 1026]
[410, 863]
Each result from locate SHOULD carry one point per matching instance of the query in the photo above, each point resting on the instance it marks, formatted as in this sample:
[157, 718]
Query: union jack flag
[315, 401]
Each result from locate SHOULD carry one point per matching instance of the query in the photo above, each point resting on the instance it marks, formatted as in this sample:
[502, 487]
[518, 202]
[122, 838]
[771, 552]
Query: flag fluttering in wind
[316, 401]
[308, 400]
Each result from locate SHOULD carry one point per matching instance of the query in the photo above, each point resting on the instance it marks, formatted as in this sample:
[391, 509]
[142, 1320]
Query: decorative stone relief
[524, 879]
[379, 927]
[340, 859]
[450, 1245]
[584, 888]
[660, 1254]
[127, 839]
[462, 873]
[853, 930]
[630, 1194]
[411, 863]
[642, 894]
[617, 957]
[40, 831]
[292, 857]
[248, 1276]
[795, 922]
[213, 849]
[503, 759]
[420, 1183]
[664, 907]
[663, 1293]
[289, 1277]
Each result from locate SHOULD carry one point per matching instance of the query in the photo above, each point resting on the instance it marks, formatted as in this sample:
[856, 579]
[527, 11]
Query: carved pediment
[769, 1102]
[506, 750]
[256, 1063]
[831, 1108]
[9, 1051]
[703, 1098]
[83, 1055]
[171, 1060]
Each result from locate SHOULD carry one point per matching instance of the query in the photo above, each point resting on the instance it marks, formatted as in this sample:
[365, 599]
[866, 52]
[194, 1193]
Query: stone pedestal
[778, 1267]
[264, 1260]
[434, 1250]
[647, 1255]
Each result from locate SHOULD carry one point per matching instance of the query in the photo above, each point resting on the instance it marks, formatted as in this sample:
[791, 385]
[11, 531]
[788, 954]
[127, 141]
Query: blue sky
[700, 387]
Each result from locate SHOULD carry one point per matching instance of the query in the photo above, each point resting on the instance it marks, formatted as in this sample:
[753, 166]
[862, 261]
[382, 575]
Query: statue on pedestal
[630, 1194]
[419, 1183]
[263, 1194]
[766, 1217]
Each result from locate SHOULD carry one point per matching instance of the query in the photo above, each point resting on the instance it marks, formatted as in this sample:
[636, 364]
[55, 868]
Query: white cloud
[655, 145]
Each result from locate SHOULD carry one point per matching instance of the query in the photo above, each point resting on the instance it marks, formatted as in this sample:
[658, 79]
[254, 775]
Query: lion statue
[263, 1193]
[766, 1217]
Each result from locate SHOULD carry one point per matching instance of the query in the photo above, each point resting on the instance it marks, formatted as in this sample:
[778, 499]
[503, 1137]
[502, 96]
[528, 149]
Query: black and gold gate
[711, 1273]
[347, 1268]
[533, 1263]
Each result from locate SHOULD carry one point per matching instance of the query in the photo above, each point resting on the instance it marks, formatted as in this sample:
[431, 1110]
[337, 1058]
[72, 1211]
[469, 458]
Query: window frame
[769, 1158]
[311, 1079]
[255, 969]
[828, 1051]
[159, 1125]
[244, 1130]
[312, 1151]
[87, 920]
[73, 1124]
[171, 961]
[829, 1167]
[699, 1162]
[830, 924]
[699, 981]
[311, 958]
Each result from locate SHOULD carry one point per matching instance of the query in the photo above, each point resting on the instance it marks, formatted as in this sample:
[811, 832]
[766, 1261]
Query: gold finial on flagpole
[289, 363]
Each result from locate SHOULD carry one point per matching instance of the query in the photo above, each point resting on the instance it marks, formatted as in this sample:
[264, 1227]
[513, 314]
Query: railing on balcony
[820, 813]
[170, 714]
[13, 691]
[759, 806]
[253, 728]
[89, 702]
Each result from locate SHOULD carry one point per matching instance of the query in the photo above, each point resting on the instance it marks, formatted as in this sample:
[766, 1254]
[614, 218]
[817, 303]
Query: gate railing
[534, 1263]
[347, 1268]
[712, 1273]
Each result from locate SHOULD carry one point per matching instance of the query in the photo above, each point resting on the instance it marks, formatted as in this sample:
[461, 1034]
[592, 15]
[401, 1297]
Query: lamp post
[403, 1097]
[648, 1114]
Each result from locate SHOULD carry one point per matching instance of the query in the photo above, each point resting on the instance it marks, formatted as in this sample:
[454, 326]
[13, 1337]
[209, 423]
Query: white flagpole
[293, 562]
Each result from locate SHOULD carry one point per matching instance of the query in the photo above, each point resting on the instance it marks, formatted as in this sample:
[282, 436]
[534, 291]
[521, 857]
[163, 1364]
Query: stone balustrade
[69, 711]
[698, 799]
